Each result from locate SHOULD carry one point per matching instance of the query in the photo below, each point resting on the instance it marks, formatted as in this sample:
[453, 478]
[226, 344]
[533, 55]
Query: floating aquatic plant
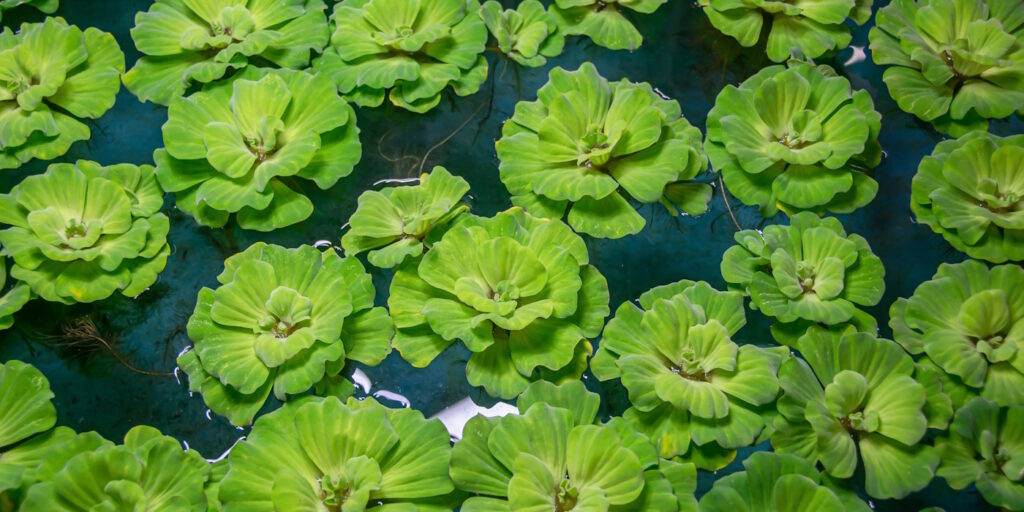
[516, 290]
[527, 34]
[953, 63]
[149, 471]
[687, 380]
[554, 457]
[603, 21]
[855, 402]
[398, 223]
[810, 272]
[968, 320]
[281, 321]
[985, 447]
[775, 482]
[796, 138]
[15, 295]
[586, 145]
[52, 75]
[80, 232]
[25, 406]
[46, 6]
[810, 28]
[971, 191]
[340, 456]
[184, 42]
[244, 146]
[408, 50]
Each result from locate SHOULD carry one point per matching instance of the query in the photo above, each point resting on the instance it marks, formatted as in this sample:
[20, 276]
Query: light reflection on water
[456, 416]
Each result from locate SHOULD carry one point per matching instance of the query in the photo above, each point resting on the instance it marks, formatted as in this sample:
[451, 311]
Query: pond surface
[682, 56]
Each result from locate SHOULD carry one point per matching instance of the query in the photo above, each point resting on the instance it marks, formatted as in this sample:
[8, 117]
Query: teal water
[682, 56]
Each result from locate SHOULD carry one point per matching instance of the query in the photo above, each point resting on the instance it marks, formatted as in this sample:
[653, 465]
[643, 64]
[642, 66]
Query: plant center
[566, 495]
[805, 273]
[689, 367]
[74, 229]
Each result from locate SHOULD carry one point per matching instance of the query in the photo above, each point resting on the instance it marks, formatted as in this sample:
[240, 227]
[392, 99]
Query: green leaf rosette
[185, 42]
[320, 454]
[519, 293]
[796, 138]
[398, 223]
[527, 34]
[985, 447]
[281, 321]
[553, 457]
[46, 6]
[808, 273]
[149, 472]
[13, 294]
[969, 322]
[695, 392]
[810, 28]
[775, 482]
[51, 76]
[80, 232]
[408, 50]
[603, 21]
[971, 191]
[586, 145]
[854, 401]
[953, 63]
[243, 147]
[25, 407]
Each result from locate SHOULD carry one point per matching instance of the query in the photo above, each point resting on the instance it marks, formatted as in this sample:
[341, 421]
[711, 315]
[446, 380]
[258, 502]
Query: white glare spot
[362, 380]
[456, 416]
[858, 56]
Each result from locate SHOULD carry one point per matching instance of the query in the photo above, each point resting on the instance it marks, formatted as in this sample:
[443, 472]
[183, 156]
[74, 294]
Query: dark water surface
[682, 56]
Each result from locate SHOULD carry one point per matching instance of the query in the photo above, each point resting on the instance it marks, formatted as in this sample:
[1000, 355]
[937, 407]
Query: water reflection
[456, 416]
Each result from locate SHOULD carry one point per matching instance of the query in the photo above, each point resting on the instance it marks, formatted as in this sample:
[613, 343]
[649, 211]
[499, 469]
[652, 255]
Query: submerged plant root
[82, 335]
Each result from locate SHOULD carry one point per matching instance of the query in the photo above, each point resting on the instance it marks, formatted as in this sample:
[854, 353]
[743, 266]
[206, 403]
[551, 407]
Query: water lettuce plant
[985, 447]
[688, 382]
[527, 34]
[357, 455]
[25, 408]
[281, 321]
[408, 50]
[586, 145]
[603, 21]
[149, 471]
[80, 232]
[52, 75]
[397, 223]
[243, 146]
[775, 482]
[968, 320]
[854, 401]
[971, 191]
[519, 293]
[953, 63]
[15, 294]
[810, 272]
[811, 29]
[46, 6]
[552, 456]
[187, 42]
[796, 138]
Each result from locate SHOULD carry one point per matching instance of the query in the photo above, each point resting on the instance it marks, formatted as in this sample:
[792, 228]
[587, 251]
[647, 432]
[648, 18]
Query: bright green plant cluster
[399, 223]
[200, 41]
[586, 144]
[516, 290]
[407, 50]
[954, 63]
[243, 146]
[971, 191]
[51, 75]
[80, 232]
[283, 320]
[695, 392]
[46, 6]
[968, 321]
[809, 28]
[528, 34]
[808, 273]
[554, 456]
[796, 138]
[15, 294]
[603, 21]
